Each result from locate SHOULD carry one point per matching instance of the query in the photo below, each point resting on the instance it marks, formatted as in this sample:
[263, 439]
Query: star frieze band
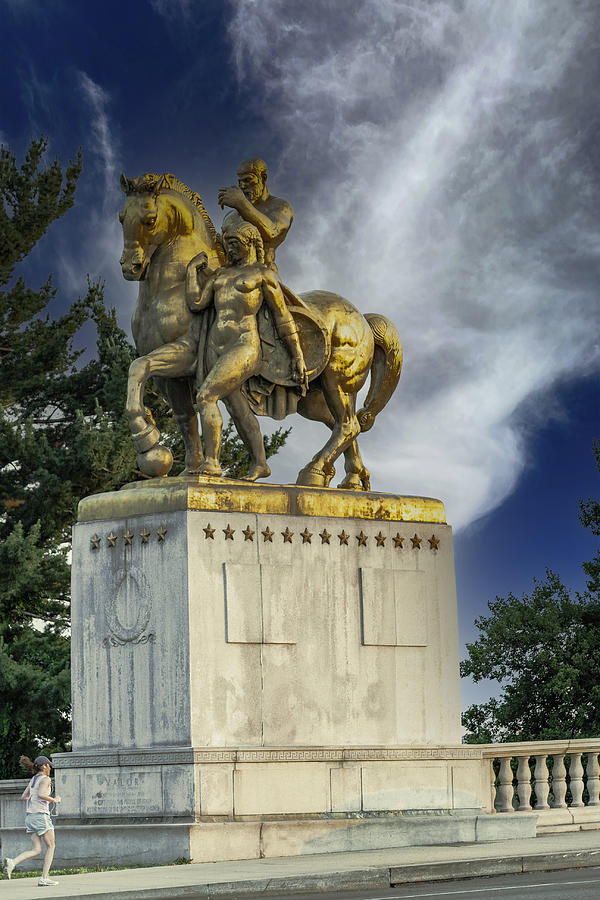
[111, 540]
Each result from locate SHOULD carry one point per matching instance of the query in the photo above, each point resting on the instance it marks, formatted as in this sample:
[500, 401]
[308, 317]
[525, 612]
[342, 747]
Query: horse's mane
[149, 181]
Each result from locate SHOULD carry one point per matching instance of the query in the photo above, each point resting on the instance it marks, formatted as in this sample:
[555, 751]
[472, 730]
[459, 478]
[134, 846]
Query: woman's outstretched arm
[198, 277]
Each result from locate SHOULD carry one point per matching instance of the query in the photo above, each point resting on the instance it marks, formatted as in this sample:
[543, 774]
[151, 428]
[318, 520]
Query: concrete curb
[359, 880]
[350, 878]
[508, 865]
[371, 878]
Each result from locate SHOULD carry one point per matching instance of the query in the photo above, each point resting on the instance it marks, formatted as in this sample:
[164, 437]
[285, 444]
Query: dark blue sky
[442, 160]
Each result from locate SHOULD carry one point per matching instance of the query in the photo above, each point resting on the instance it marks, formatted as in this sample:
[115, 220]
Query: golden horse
[165, 225]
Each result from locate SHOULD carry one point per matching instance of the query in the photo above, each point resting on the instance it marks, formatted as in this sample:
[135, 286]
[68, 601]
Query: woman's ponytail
[26, 764]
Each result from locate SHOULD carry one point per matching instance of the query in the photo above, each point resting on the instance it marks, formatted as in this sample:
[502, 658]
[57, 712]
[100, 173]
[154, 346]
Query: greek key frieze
[261, 755]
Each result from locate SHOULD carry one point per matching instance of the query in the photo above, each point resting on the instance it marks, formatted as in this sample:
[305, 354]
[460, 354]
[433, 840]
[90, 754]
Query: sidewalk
[321, 873]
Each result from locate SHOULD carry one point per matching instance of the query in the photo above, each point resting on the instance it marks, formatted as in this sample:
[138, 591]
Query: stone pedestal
[262, 671]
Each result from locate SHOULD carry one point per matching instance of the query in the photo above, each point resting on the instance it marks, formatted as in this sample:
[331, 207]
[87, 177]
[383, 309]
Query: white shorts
[38, 823]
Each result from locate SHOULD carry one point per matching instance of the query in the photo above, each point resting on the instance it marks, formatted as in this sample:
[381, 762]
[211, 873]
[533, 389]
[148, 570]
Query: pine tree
[63, 436]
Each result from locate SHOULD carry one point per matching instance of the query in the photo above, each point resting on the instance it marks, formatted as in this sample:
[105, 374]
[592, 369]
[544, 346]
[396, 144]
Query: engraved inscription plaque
[120, 794]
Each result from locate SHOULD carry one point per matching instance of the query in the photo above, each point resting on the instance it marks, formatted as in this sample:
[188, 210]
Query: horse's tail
[385, 368]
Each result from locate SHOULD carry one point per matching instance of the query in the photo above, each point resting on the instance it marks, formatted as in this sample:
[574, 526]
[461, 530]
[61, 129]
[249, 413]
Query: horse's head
[145, 223]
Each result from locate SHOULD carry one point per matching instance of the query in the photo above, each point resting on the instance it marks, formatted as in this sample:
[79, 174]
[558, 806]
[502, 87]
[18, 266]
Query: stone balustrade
[549, 778]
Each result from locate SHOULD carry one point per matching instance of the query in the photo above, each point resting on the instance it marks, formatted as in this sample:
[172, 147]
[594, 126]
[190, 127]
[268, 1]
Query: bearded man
[251, 201]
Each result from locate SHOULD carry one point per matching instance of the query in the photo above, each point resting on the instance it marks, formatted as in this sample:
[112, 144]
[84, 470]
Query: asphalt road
[569, 884]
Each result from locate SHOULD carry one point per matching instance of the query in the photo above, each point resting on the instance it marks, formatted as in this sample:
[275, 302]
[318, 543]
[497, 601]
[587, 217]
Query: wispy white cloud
[103, 140]
[437, 156]
[98, 246]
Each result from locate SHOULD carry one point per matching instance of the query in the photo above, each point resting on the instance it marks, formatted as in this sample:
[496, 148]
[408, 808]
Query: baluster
[524, 783]
[542, 786]
[492, 786]
[505, 786]
[592, 770]
[576, 780]
[559, 781]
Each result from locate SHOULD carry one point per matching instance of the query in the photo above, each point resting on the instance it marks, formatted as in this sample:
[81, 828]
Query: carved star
[128, 538]
[229, 532]
[416, 542]
[162, 533]
[112, 539]
[398, 541]
[306, 536]
[287, 535]
[95, 542]
[268, 534]
[209, 532]
[145, 535]
[343, 538]
[434, 542]
[248, 534]
[362, 539]
[324, 535]
[380, 538]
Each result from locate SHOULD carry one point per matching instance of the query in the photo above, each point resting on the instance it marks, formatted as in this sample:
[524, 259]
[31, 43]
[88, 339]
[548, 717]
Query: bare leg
[212, 429]
[48, 838]
[227, 375]
[249, 430]
[29, 854]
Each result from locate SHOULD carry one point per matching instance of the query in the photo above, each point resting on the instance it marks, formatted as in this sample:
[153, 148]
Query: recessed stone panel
[393, 606]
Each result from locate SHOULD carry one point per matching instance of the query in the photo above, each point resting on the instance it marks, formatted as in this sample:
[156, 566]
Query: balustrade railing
[543, 775]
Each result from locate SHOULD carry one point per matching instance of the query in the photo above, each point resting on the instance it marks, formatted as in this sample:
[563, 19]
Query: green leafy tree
[544, 650]
[63, 436]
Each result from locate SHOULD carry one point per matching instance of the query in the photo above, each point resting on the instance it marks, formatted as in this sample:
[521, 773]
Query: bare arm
[199, 283]
[44, 792]
[271, 226]
[286, 327]
[25, 795]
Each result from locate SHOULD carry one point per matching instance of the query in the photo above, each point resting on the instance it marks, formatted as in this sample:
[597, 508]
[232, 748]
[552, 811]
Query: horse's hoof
[329, 473]
[350, 483]
[355, 482]
[155, 462]
[313, 477]
[146, 438]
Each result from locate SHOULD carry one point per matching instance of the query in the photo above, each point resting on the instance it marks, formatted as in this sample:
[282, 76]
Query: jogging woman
[37, 816]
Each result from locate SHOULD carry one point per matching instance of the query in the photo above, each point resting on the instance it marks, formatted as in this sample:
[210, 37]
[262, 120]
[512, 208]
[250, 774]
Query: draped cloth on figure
[273, 391]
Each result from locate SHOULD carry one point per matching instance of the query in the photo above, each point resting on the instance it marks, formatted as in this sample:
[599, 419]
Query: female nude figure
[233, 351]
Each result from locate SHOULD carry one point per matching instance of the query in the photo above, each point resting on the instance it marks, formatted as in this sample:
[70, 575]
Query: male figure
[233, 351]
[252, 202]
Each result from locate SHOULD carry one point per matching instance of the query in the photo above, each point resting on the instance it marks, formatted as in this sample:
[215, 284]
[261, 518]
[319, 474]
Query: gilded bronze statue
[215, 323]
[232, 353]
